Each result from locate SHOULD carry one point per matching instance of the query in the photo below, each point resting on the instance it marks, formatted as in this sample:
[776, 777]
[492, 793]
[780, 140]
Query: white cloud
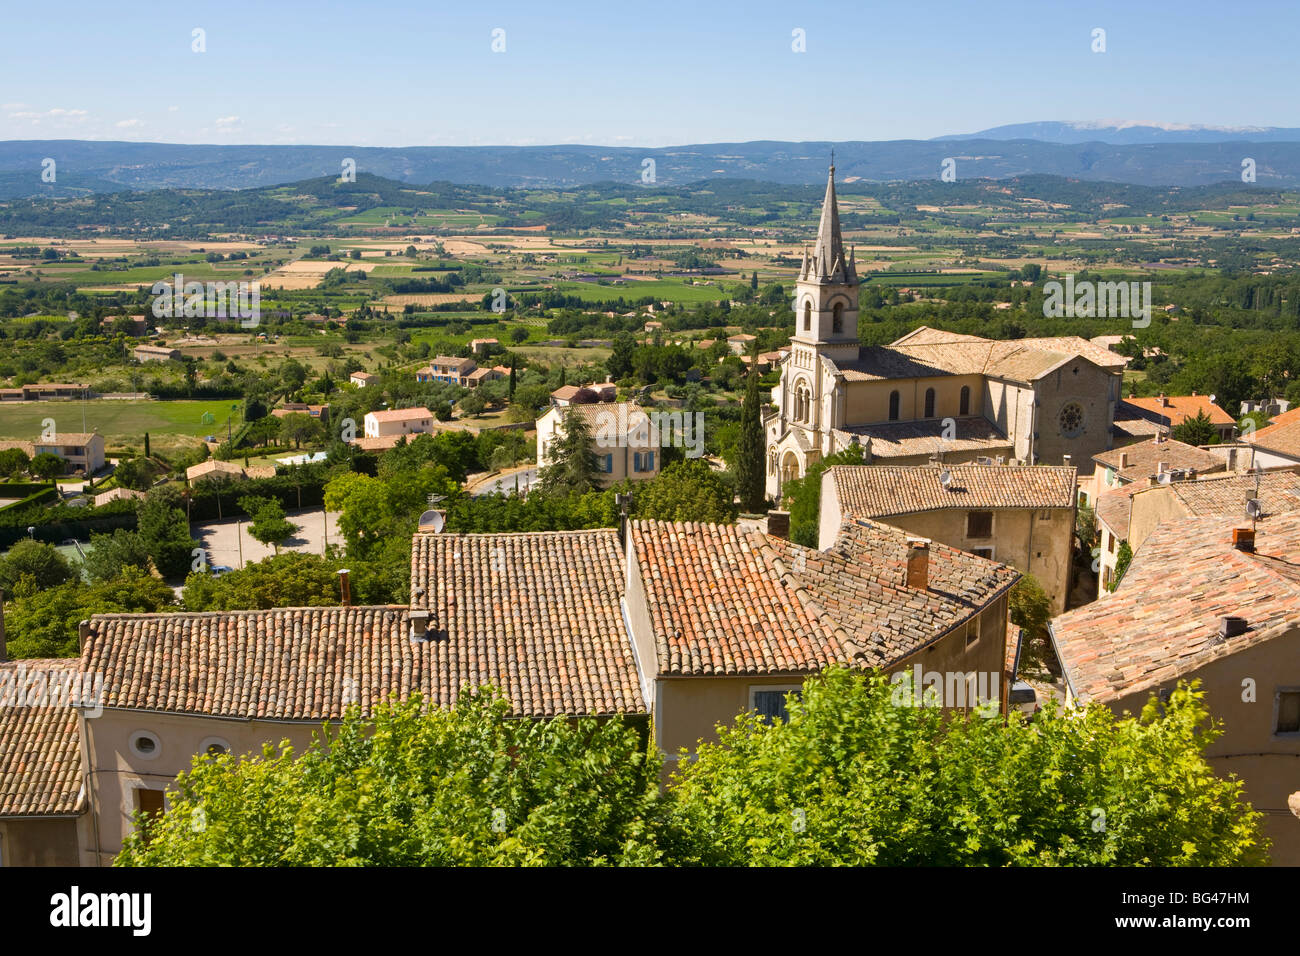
[227, 122]
[172, 109]
[129, 124]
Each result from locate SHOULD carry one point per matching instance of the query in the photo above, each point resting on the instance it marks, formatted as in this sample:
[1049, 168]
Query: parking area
[229, 543]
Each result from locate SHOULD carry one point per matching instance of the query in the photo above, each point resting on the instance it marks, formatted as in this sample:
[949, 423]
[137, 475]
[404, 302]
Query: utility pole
[239, 536]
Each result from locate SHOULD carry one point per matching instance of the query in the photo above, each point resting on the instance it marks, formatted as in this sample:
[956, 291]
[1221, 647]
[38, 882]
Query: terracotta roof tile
[540, 614]
[40, 749]
[1163, 619]
[878, 491]
[1144, 457]
[725, 601]
[1175, 409]
[910, 439]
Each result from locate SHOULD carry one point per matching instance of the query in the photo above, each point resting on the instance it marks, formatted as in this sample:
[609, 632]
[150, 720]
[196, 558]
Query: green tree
[684, 491]
[1030, 608]
[472, 403]
[292, 579]
[268, 525]
[13, 461]
[166, 533]
[1198, 430]
[873, 782]
[573, 467]
[750, 450]
[44, 623]
[803, 496]
[299, 427]
[468, 786]
[135, 473]
[39, 563]
[1123, 556]
[110, 555]
[620, 361]
[46, 466]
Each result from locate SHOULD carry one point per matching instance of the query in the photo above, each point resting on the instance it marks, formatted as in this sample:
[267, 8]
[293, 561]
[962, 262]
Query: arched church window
[807, 316]
[929, 403]
[964, 408]
[894, 399]
[837, 319]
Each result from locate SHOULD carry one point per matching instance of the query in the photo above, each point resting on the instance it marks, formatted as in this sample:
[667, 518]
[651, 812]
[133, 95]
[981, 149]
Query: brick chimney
[345, 587]
[918, 563]
[778, 524]
[1123, 460]
[1243, 539]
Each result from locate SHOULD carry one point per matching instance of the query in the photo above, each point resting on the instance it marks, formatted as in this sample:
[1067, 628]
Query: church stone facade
[930, 395]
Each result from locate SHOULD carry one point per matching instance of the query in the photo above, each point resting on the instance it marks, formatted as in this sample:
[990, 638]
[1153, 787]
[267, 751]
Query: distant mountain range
[1121, 153]
[1126, 133]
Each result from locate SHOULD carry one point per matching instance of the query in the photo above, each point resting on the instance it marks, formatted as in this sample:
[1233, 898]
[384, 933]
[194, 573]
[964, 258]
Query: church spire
[829, 262]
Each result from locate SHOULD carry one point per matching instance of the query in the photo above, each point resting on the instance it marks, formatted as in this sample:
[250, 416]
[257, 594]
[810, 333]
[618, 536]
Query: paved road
[506, 483]
[223, 539]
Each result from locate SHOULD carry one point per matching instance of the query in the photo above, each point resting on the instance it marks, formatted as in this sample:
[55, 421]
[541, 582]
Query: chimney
[778, 524]
[1123, 460]
[84, 631]
[1065, 460]
[1160, 468]
[419, 624]
[345, 587]
[1232, 626]
[1164, 402]
[918, 563]
[1243, 539]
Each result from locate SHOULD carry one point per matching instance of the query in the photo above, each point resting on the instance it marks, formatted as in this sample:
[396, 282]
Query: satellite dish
[945, 478]
[1253, 508]
[432, 521]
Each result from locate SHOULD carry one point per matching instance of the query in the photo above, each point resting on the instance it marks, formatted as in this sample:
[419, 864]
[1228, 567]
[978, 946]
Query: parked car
[1023, 698]
[217, 570]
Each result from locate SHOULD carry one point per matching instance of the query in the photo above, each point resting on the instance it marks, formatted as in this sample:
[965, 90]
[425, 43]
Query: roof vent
[1232, 626]
[419, 625]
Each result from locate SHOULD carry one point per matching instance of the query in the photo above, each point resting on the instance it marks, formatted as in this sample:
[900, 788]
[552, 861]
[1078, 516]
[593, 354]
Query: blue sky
[404, 73]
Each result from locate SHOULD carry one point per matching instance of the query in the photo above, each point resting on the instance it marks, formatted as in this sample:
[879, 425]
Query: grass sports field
[23, 421]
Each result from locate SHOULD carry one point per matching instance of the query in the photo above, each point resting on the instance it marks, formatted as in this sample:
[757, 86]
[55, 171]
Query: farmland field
[116, 418]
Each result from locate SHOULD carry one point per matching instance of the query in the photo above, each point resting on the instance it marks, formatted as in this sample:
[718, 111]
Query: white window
[770, 701]
[145, 744]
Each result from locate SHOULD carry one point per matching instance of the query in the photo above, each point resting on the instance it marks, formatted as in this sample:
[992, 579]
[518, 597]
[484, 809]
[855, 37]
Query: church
[930, 395]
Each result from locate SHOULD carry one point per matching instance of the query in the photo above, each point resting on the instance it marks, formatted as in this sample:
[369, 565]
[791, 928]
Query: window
[1071, 420]
[979, 524]
[769, 702]
[1288, 711]
[214, 747]
[807, 316]
[837, 320]
[146, 745]
[152, 803]
[894, 399]
[963, 407]
[983, 552]
[973, 632]
[929, 403]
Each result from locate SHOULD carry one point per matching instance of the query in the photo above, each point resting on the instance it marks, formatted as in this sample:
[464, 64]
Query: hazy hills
[85, 167]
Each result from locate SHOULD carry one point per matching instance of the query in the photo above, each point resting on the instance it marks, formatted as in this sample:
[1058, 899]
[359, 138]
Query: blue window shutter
[636, 461]
[649, 461]
[609, 464]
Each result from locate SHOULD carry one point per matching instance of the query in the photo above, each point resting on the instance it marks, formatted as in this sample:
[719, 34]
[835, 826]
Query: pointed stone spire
[828, 253]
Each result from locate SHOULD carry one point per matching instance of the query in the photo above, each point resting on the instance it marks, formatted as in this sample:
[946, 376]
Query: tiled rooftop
[1278, 492]
[912, 439]
[877, 491]
[40, 750]
[725, 601]
[1282, 435]
[540, 614]
[1144, 457]
[1176, 409]
[1163, 620]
